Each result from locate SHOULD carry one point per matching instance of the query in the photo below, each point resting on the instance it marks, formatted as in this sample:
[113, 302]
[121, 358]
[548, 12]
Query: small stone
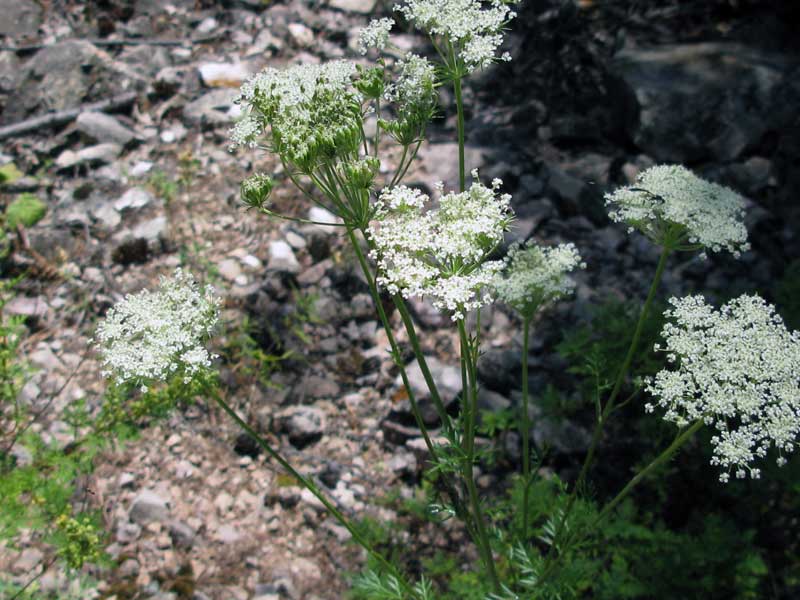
[127, 532]
[301, 35]
[33, 308]
[303, 424]
[141, 168]
[229, 269]
[148, 507]
[214, 108]
[225, 75]
[363, 7]
[106, 215]
[223, 502]
[103, 128]
[207, 25]
[101, 154]
[182, 534]
[133, 199]
[228, 534]
[282, 258]
[28, 560]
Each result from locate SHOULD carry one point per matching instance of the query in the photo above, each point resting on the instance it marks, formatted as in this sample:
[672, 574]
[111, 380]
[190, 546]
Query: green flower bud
[370, 82]
[255, 190]
[361, 174]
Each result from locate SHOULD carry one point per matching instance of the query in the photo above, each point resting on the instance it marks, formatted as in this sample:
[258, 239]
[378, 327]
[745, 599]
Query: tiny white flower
[536, 275]
[737, 369]
[150, 336]
[711, 216]
[375, 35]
[473, 28]
[440, 253]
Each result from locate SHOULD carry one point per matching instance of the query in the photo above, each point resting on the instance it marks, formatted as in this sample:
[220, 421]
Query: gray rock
[282, 258]
[225, 75]
[100, 154]
[19, 17]
[214, 108]
[363, 7]
[133, 199]
[34, 308]
[103, 128]
[500, 369]
[303, 424]
[106, 215]
[402, 463]
[9, 70]
[709, 101]
[65, 75]
[127, 532]
[230, 269]
[301, 36]
[152, 231]
[446, 377]
[28, 560]
[441, 162]
[148, 507]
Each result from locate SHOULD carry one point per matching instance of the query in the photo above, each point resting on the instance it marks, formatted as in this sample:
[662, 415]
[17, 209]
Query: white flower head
[375, 35]
[440, 253]
[151, 336]
[709, 216]
[537, 275]
[309, 111]
[473, 27]
[737, 369]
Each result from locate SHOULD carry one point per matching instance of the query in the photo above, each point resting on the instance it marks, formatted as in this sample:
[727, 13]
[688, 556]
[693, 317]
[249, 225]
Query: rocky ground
[595, 93]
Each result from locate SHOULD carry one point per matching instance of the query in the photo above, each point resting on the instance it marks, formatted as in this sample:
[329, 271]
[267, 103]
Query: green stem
[408, 322]
[679, 441]
[460, 125]
[609, 407]
[311, 487]
[362, 261]
[377, 126]
[525, 424]
[484, 545]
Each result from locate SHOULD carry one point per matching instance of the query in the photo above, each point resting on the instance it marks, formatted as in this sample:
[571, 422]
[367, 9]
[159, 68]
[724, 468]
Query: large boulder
[62, 76]
[695, 102]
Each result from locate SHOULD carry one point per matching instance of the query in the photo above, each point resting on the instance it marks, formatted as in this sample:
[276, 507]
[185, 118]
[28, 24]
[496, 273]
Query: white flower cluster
[536, 275]
[472, 27]
[151, 336]
[375, 35]
[441, 253]
[415, 83]
[308, 107]
[664, 195]
[737, 369]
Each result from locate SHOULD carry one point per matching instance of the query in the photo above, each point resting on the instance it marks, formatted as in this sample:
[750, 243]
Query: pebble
[148, 507]
[282, 258]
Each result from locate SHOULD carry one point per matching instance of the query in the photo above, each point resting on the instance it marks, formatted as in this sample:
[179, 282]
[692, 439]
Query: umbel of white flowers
[441, 253]
[152, 336]
[472, 28]
[673, 206]
[737, 369]
[535, 275]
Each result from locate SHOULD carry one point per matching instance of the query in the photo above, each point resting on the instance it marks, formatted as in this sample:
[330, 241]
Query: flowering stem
[377, 126]
[469, 356]
[362, 260]
[525, 424]
[460, 126]
[609, 407]
[459, 509]
[311, 487]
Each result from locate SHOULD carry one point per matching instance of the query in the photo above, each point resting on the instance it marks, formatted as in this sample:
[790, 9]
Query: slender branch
[460, 126]
[311, 487]
[526, 442]
[609, 407]
[469, 356]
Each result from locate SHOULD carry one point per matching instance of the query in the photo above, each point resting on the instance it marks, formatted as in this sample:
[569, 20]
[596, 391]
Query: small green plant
[163, 186]
[25, 210]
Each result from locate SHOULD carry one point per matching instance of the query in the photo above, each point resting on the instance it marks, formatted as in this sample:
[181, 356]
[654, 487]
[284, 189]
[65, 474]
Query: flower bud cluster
[414, 96]
[313, 112]
[440, 253]
[737, 369]
[709, 215]
[375, 35]
[151, 336]
[472, 27]
[256, 189]
[536, 275]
